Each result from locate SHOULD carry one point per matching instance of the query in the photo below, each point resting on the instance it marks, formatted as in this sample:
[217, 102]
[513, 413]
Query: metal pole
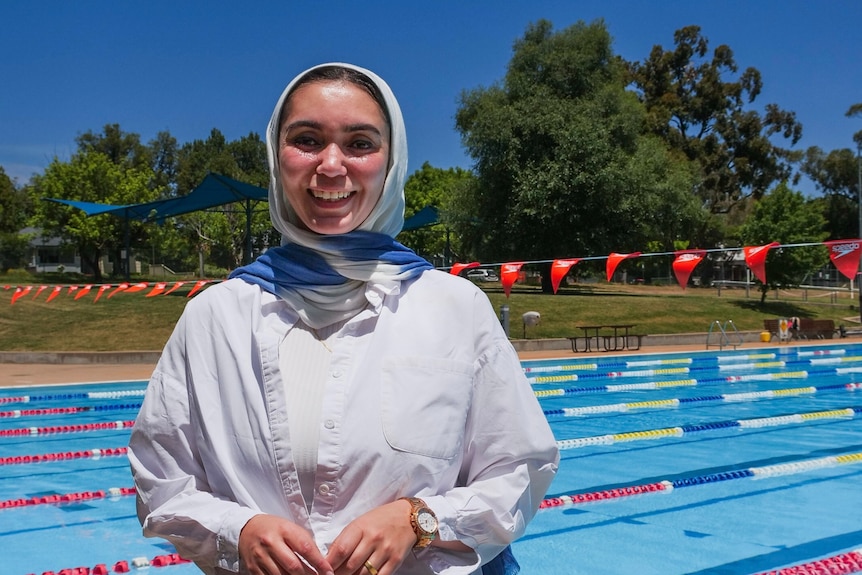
[859, 202]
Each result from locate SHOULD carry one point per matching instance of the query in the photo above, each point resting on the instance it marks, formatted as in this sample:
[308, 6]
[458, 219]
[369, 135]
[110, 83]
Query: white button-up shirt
[425, 397]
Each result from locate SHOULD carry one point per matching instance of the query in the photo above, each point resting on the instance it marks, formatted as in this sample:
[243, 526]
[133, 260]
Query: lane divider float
[67, 497]
[612, 438]
[676, 402]
[667, 486]
[64, 456]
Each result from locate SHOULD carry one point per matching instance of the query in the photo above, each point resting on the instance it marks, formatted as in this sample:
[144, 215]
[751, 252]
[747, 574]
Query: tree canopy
[700, 105]
[784, 216]
[562, 162]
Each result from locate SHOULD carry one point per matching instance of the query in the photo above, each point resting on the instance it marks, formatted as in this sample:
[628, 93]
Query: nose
[331, 161]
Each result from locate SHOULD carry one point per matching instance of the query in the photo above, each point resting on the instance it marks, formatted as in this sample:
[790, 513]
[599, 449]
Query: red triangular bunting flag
[198, 286]
[615, 259]
[54, 293]
[137, 287]
[102, 289]
[122, 287]
[845, 256]
[157, 289]
[559, 269]
[755, 258]
[508, 275]
[19, 293]
[458, 268]
[84, 291]
[177, 285]
[40, 290]
[685, 263]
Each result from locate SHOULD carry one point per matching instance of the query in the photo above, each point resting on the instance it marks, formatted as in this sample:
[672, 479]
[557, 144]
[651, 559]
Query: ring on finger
[372, 570]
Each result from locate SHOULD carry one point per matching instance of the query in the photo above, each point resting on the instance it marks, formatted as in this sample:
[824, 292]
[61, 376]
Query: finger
[370, 568]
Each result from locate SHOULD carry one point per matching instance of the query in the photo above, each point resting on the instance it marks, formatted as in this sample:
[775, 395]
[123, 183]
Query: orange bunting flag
[508, 275]
[845, 256]
[177, 285]
[559, 269]
[615, 259]
[198, 286]
[84, 291]
[458, 268]
[122, 287]
[54, 293]
[102, 289]
[755, 258]
[157, 289]
[137, 287]
[684, 264]
[19, 293]
[40, 290]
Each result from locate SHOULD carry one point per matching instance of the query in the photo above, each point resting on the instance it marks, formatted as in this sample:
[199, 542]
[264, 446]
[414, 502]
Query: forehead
[333, 99]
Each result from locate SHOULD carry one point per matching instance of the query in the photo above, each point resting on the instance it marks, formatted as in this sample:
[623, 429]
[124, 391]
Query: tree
[15, 208]
[561, 162]
[836, 175]
[700, 109]
[221, 232]
[91, 176]
[430, 186]
[784, 216]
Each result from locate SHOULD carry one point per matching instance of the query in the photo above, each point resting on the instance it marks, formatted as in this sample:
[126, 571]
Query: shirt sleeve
[510, 456]
[174, 499]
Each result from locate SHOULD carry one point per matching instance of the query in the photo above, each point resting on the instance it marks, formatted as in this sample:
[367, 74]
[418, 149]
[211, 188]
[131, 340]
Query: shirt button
[329, 424]
[336, 374]
[323, 489]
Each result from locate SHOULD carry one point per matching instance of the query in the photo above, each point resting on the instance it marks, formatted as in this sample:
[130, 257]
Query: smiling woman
[326, 408]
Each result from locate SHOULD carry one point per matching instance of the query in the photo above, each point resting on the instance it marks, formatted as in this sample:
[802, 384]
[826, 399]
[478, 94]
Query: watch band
[421, 514]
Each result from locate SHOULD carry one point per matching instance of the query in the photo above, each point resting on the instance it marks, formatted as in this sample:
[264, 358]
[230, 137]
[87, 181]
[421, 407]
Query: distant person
[339, 406]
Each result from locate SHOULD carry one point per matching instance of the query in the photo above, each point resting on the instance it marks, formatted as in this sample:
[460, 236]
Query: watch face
[427, 521]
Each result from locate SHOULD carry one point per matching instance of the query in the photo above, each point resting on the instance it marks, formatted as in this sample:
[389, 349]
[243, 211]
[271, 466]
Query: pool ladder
[722, 334]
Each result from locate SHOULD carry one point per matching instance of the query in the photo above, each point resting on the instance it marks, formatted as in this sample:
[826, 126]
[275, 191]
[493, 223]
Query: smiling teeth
[330, 196]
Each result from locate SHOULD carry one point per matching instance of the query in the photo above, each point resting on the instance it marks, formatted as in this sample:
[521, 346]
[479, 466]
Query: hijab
[324, 278]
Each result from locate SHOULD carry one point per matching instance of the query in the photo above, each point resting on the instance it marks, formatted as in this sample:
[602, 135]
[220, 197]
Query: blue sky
[189, 66]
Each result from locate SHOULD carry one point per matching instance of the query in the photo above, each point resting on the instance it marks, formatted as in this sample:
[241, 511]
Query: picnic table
[598, 338]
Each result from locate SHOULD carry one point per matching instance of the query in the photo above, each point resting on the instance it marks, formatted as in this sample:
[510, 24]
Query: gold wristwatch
[423, 521]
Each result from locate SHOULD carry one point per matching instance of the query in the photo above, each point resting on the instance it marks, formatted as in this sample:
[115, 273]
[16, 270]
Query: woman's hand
[382, 537]
[272, 545]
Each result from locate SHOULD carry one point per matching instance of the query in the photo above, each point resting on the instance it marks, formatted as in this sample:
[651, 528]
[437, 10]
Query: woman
[338, 406]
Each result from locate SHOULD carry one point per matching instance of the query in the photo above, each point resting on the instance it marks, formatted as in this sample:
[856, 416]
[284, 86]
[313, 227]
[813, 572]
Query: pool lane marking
[77, 428]
[63, 456]
[610, 388]
[840, 564]
[667, 486]
[750, 361]
[58, 498]
[15, 413]
[68, 396]
[743, 397]
[679, 431]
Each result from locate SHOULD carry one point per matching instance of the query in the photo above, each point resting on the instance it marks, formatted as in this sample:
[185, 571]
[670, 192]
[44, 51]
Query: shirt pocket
[424, 404]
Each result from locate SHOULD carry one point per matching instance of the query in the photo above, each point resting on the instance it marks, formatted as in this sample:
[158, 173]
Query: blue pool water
[748, 460]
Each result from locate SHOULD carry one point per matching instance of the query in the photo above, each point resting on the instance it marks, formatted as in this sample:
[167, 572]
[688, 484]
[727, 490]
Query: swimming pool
[717, 462]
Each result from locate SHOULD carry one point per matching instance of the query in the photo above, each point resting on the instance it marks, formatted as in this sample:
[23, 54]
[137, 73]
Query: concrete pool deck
[46, 368]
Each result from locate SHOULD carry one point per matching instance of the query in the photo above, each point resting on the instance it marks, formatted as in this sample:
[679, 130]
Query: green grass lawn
[132, 321]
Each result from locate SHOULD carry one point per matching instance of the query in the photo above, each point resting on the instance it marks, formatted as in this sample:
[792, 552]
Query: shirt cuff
[227, 543]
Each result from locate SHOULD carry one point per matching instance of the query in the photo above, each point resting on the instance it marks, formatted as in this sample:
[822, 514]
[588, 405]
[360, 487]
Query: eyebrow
[318, 126]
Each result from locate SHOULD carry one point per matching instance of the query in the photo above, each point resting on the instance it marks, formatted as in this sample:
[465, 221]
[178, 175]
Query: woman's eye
[363, 145]
[303, 141]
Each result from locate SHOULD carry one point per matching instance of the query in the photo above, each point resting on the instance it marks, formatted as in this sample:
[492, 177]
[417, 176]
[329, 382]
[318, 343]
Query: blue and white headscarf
[324, 277]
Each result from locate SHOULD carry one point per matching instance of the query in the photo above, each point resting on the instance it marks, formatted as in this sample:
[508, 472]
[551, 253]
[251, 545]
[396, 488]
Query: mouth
[330, 196]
